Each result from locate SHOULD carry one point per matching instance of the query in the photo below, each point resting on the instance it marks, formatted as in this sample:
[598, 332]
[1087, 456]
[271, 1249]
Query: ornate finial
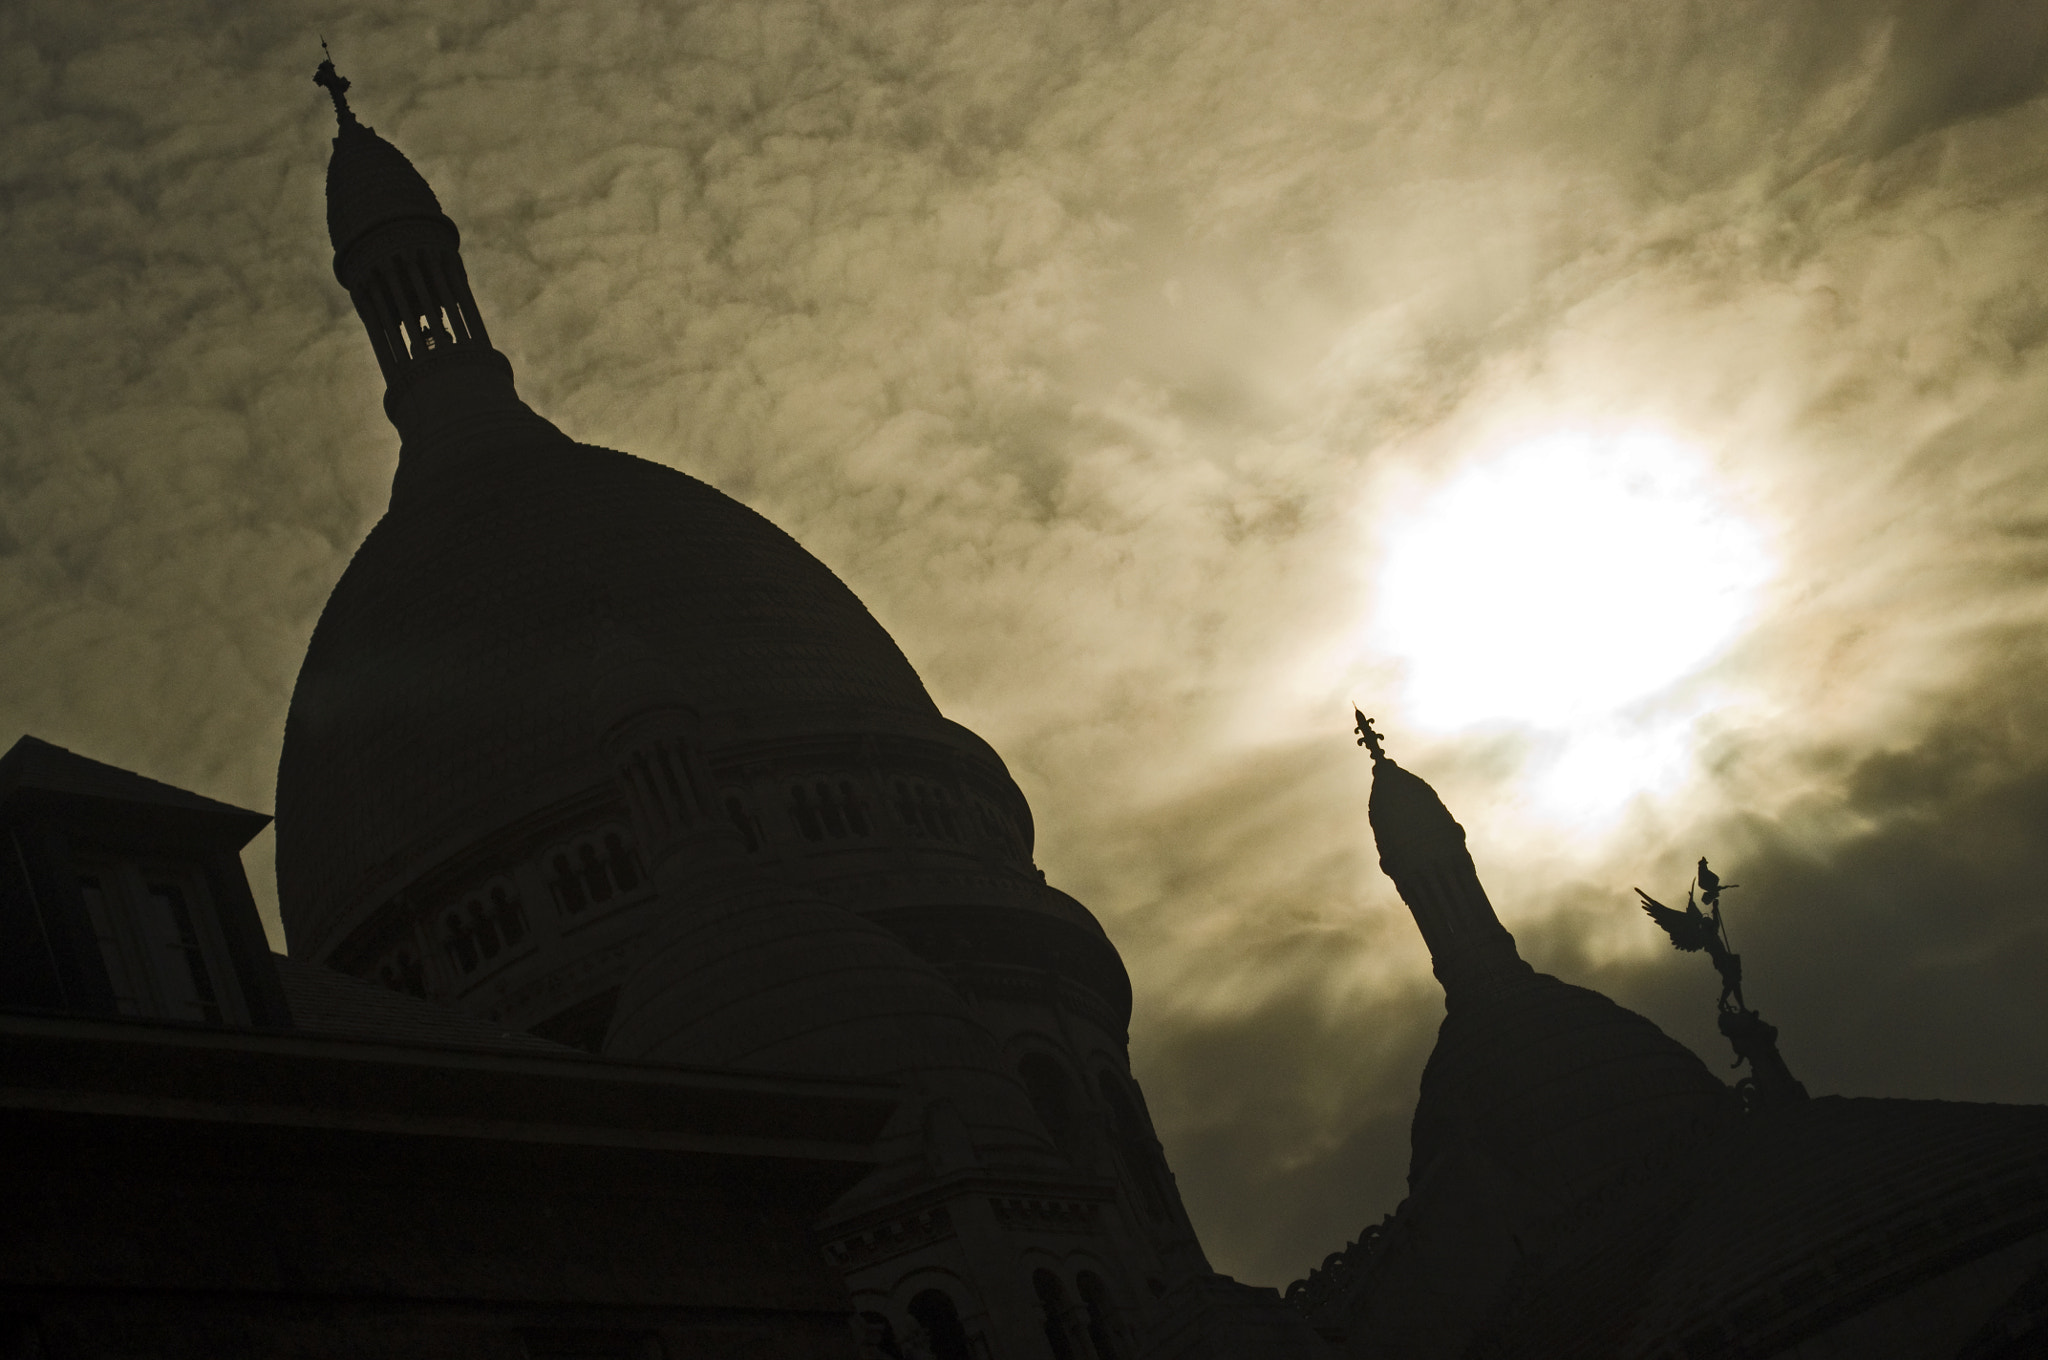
[1368, 738]
[336, 85]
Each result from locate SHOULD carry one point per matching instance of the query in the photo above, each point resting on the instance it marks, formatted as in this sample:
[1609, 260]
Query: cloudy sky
[1639, 409]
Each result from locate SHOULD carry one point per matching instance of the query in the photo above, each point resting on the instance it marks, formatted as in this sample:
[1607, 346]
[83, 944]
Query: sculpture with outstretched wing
[1770, 1082]
[1693, 929]
[1690, 930]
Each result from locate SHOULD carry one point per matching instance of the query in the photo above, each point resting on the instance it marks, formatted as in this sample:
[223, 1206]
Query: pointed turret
[1422, 848]
[400, 258]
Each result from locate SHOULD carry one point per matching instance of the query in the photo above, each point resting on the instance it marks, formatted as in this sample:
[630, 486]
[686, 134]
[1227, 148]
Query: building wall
[228, 1194]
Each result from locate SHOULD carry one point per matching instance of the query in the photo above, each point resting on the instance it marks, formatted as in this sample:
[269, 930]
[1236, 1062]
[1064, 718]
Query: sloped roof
[36, 772]
[1828, 1206]
[1795, 1221]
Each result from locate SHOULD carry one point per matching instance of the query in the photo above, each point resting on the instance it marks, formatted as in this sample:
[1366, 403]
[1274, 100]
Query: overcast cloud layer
[1105, 348]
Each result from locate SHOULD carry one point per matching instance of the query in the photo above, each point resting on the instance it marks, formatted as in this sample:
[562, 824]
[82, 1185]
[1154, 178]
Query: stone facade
[206, 1193]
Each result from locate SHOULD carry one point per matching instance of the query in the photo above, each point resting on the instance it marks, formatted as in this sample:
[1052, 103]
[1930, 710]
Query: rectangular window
[129, 997]
[161, 941]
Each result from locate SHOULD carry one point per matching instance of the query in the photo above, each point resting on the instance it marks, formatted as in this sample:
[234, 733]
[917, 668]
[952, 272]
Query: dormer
[121, 896]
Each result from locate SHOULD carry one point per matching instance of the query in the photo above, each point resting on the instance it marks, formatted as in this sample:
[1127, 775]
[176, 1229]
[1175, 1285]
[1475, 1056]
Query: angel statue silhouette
[1693, 929]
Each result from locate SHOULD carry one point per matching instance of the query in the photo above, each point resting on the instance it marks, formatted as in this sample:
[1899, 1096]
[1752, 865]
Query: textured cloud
[1101, 347]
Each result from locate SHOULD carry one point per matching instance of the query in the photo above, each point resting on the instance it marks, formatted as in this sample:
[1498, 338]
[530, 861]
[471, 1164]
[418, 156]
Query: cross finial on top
[1368, 738]
[335, 84]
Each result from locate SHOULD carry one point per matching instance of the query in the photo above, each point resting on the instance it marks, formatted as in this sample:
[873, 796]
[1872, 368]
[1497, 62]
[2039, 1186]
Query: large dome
[446, 688]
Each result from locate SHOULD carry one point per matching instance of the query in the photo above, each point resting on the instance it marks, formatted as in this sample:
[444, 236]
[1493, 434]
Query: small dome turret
[1422, 848]
[400, 257]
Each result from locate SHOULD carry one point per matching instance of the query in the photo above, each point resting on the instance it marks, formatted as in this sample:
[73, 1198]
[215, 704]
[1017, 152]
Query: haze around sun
[1568, 588]
[1638, 409]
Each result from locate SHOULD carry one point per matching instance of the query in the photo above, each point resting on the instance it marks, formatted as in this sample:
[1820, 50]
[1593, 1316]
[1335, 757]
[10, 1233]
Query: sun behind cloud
[1566, 587]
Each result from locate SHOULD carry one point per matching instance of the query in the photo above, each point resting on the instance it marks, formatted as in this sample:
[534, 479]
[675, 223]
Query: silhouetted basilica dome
[446, 686]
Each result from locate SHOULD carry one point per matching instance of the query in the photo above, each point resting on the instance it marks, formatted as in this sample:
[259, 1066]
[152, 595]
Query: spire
[400, 258]
[337, 85]
[1422, 848]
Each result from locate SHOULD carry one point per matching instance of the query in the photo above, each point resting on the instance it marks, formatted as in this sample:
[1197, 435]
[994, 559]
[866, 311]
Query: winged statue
[1693, 929]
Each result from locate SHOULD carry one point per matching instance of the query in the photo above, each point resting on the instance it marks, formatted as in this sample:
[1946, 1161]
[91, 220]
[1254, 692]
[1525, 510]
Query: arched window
[461, 945]
[855, 817]
[1134, 1145]
[511, 916]
[743, 824]
[674, 786]
[1102, 1328]
[1052, 1097]
[805, 815]
[828, 809]
[568, 887]
[596, 881]
[1052, 1301]
[412, 974]
[640, 781]
[403, 973]
[486, 929]
[625, 865]
[881, 1336]
[935, 1312]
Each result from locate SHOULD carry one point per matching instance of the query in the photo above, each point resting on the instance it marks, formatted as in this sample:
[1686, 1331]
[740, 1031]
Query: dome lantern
[400, 258]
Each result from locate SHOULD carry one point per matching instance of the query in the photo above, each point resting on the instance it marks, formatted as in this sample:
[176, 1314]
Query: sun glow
[1567, 587]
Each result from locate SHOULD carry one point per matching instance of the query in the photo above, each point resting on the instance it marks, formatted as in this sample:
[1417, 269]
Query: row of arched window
[416, 301]
[829, 809]
[1066, 1325]
[996, 825]
[482, 927]
[927, 810]
[660, 774]
[1052, 1095]
[932, 1312]
[1086, 1332]
[826, 809]
[591, 871]
[404, 972]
